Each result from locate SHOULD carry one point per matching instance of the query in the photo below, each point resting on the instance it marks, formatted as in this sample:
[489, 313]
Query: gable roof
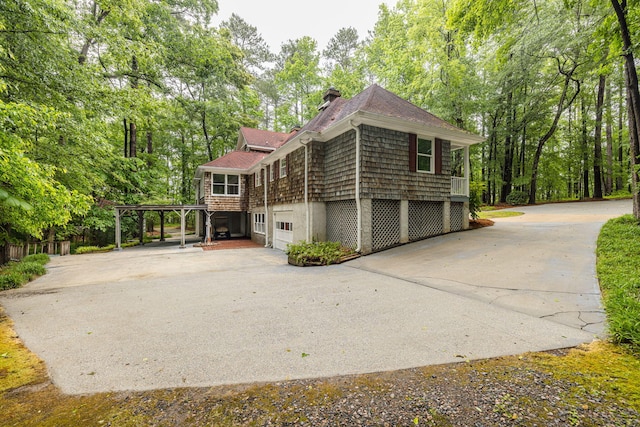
[240, 160]
[262, 140]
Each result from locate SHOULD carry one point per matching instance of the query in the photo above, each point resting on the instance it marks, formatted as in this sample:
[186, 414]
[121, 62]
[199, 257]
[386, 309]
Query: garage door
[283, 232]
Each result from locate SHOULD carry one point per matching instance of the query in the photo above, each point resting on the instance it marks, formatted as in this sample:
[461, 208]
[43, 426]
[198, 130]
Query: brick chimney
[331, 94]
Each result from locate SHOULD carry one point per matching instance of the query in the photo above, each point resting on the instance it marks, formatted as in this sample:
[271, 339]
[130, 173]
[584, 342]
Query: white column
[182, 228]
[467, 172]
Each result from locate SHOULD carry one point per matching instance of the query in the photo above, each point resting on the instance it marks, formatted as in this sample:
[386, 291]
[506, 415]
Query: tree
[298, 76]
[247, 38]
[633, 94]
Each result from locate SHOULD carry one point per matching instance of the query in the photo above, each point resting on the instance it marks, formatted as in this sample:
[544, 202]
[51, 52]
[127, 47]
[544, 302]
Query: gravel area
[495, 392]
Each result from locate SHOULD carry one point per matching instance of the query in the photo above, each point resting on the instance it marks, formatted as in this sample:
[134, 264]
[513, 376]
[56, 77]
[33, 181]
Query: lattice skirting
[457, 212]
[425, 219]
[385, 223]
[342, 222]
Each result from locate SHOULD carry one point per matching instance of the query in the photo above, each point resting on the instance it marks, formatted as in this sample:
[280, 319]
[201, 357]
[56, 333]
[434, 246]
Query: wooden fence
[17, 252]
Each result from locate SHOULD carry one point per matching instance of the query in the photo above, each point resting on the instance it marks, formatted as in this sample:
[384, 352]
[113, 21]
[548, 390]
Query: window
[284, 226]
[258, 179]
[425, 155]
[272, 172]
[258, 223]
[225, 185]
[283, 167]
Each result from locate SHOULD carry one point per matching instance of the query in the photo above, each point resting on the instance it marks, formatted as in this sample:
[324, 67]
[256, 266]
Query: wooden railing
[459, 186]
[17, 252]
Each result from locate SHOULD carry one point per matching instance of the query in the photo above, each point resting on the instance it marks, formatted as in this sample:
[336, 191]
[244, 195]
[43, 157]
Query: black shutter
[413, 152]
[438, 154]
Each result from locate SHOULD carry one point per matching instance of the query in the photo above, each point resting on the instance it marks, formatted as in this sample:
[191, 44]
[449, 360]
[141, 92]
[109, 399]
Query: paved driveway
[151, 317]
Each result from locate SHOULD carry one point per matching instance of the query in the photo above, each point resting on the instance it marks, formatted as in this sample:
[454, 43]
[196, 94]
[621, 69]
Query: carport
[182, 210]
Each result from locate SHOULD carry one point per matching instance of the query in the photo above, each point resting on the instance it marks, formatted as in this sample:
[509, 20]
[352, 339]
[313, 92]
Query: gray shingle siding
[385, 169]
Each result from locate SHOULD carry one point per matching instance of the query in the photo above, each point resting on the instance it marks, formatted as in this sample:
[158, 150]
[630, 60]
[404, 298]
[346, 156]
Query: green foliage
[618, 268]
[30, 268]
[518, 198]
[317, 253]
[16, 274]
[475, 197]
[39, 258]
[12, 280]
[93, 249]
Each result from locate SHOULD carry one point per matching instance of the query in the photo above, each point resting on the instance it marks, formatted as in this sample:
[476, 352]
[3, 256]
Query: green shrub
[317, 253]
[16, 274]
[93, 249]
[30, 268]
[12, 280]
[39, 258]
[475, 198]
[518, 198]
[618, 268]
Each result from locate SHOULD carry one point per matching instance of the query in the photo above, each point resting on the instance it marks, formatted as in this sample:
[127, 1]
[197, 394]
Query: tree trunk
[133, 139]
[585, 151]
[559, 109]
[608, 182]
[126, 138]
[184, 187]
[634, 141]
[597, 140]
[620, 151]
[207, 140]
[634, 99]
[507, 169]
[149, 142]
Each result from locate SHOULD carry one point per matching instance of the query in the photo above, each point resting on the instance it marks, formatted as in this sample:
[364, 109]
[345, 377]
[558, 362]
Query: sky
[280, 20]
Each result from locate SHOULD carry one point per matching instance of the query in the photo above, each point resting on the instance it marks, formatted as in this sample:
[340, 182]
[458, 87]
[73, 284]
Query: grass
[618, 269]
[497, 214]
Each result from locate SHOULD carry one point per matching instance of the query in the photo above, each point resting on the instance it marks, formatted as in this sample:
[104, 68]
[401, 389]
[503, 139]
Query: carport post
[141, 226]
[162, 226]
[182, 227]
[207, 238]
[118, 231]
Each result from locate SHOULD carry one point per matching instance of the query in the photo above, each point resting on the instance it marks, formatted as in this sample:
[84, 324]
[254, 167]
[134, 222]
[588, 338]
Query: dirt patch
[479, 223]
[230, 244]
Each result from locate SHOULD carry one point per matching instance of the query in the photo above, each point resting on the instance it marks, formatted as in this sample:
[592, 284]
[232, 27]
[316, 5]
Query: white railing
[459, 186]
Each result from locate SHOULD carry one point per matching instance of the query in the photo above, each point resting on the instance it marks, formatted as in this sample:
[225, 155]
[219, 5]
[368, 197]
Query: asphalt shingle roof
[375, 100]
[237, 160]
[264, 138]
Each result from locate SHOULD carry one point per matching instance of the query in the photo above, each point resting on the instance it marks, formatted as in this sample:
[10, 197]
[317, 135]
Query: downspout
[357, 195]
[306, 187]
[266, 212]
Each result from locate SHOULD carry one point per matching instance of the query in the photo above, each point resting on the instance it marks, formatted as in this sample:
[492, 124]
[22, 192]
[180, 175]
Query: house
[372, 172]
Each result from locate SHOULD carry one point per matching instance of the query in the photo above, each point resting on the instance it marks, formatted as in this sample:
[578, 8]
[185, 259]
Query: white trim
[257, 223]
[283, 167]
[226, 185]
[432, 156]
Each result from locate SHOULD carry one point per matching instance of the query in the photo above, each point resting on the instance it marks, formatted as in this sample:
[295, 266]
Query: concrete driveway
[160, 317]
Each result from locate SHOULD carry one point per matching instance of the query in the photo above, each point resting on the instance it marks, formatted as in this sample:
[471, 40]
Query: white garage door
[283, 232]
